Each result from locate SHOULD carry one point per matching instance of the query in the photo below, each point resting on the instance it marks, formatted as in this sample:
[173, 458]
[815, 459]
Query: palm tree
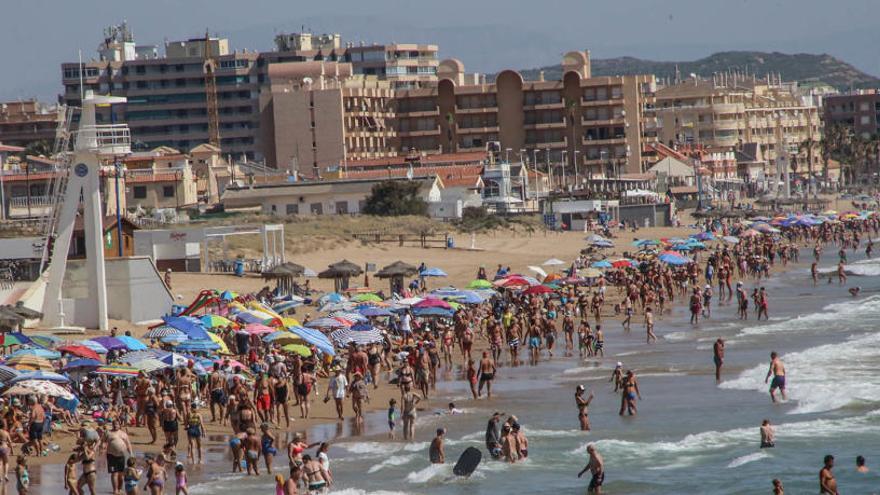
[807, 146]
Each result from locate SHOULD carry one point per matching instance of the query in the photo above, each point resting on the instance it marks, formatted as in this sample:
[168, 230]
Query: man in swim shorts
[596, 466]
[777, 369]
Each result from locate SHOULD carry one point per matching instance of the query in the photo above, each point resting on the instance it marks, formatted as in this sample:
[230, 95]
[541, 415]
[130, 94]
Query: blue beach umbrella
[601, 264]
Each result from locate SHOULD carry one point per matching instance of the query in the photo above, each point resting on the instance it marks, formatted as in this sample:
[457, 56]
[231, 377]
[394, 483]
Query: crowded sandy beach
[269, 378]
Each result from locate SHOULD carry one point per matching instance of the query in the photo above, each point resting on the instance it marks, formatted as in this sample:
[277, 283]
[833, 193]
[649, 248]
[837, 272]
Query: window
[865, 119]
[317, 208]
[292, 209]
[342, 207]
[140, 192]
[168, 191]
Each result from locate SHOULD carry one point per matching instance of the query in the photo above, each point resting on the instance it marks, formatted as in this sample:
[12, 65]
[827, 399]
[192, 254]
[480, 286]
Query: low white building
[330, 197]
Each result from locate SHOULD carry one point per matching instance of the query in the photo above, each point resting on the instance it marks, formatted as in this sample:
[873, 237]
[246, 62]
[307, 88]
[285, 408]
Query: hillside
[803, 67]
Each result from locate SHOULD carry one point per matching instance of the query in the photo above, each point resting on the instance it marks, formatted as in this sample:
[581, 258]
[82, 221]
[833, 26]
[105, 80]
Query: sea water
[691, 435]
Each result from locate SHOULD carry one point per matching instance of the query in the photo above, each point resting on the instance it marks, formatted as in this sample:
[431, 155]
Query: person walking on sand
[718, 351]
[583, 406]
[596, 466]
[649, 326]
[777, 369]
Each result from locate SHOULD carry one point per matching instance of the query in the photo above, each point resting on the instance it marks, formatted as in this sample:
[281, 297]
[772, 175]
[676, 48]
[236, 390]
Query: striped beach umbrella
[7, 373]
[117, 370]
[29, 362]
[162, 331]
[49, 376]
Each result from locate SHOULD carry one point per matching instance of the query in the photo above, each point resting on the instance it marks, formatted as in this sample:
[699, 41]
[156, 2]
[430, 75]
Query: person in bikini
[583, 405]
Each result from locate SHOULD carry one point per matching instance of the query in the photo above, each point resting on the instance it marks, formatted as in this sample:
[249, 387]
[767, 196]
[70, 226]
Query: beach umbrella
[198, 346]
[315, 338]
[347, 316]
[372, 312]
[432, 302]
[192, 327]
[553, 277]
[765, 228]
[435, 311]
[174, 339]
[467, 297]
[29, 362]
[673, 259]
[132, 357]
[704, 236]
[538, 289]
[7, 373]
[162, 331]
[327, 323]
[646, 243]
[289, 322]
[174, 360]
[117, 370]
[682, 247]
[602, 244]
[331, 297]
[216, 339]
[367, 297]
[150, 365]
[131, 343]
[80, 351]
[49, 376]
[512, 281]
[214, 321]
[297, 349]
[281, 338]
[39, 387]
[432, 272]
[730, 239]
[91, 344]
[366, 336]
[553, 262]
[228, 295]
[623, 264]
[479, 284]
[602, 264]
[45, 340]
[256, 328]
[750, 233]
[286, 306]
[14, 338]
[81, 364]
[38, 352]
[590, 273]
[111, 343]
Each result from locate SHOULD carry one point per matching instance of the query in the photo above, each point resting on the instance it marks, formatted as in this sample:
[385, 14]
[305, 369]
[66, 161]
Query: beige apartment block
[730, 113]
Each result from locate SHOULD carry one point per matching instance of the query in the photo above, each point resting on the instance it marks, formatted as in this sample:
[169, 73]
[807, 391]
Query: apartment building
[582, 125]
[730, 113]
[859, 111]
[29, 121]
[587, 126]
[167, 98]
[319, 116]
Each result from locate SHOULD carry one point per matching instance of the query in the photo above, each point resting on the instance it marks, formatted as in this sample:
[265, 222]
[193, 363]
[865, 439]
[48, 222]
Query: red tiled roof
[11, 149]
[142, 178]
[21, 176]
[150, 158]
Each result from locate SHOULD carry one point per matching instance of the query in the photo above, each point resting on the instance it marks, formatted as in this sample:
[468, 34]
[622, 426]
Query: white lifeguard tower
[94, 145]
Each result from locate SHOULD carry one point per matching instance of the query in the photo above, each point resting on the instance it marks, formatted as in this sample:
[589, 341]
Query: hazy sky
[487, 35]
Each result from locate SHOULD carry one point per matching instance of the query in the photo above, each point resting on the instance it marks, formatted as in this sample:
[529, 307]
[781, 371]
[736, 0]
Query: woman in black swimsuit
[281, 395]
[170, 424]
[90, 471]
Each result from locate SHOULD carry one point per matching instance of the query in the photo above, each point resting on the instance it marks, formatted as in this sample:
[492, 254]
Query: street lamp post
[564, 163]
[576, 180]
[549, 168]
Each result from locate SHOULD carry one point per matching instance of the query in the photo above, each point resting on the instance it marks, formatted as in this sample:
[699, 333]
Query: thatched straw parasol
[396, 272]
[341, 272]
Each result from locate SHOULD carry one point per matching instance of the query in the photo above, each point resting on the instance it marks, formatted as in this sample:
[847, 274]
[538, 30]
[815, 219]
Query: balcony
[476, 130]
[543, 105]
[606, 141]
[418, 132]
[559, 124]
[598, 102]
[472, 110]
[548, 144]
[113, 139]
[602, 122]
[415, 113]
